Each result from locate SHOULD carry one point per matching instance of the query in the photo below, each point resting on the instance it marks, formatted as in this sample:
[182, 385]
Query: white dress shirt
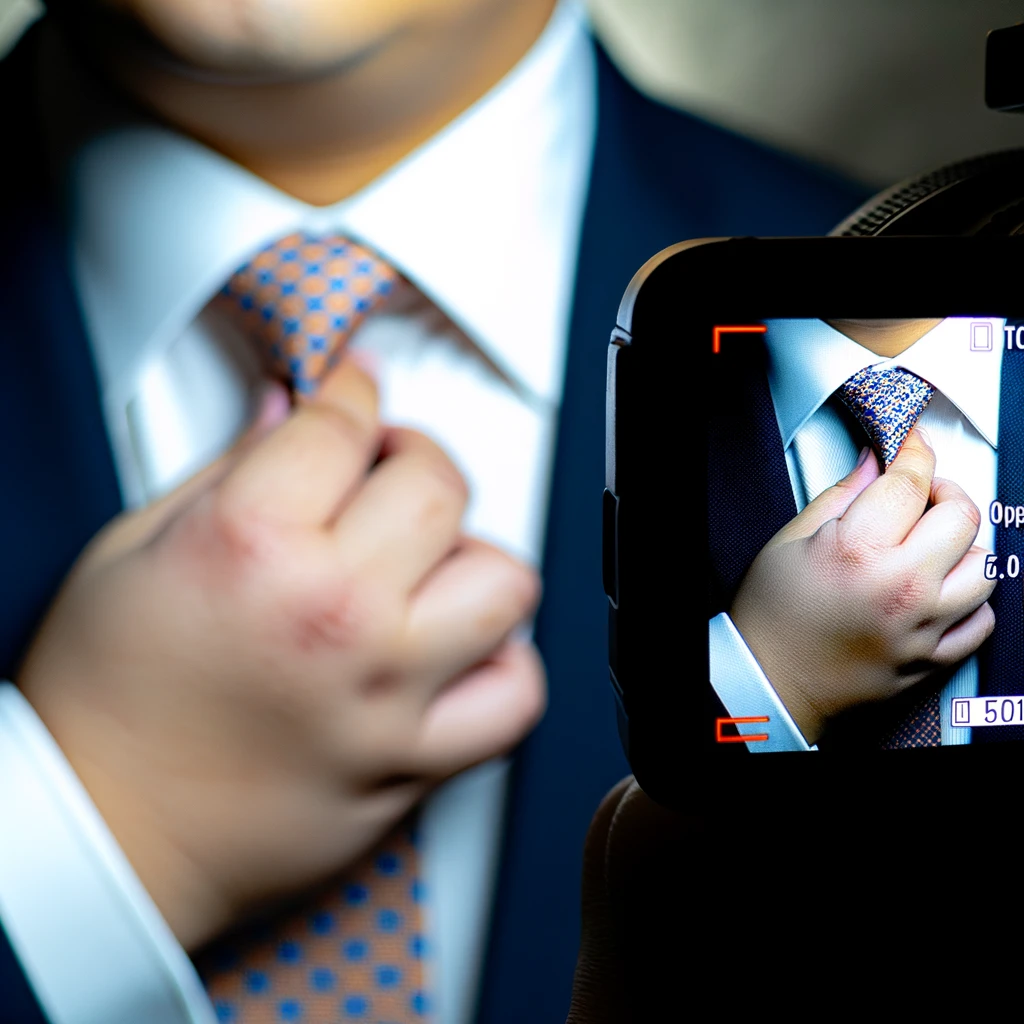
[484, 219]
[808, 360]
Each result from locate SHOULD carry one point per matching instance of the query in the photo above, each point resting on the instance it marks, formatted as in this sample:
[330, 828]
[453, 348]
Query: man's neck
[886, 338]
[324, 137]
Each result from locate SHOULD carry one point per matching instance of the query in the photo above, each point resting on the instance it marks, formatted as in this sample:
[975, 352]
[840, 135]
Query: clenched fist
[256, 677]
[875, 585]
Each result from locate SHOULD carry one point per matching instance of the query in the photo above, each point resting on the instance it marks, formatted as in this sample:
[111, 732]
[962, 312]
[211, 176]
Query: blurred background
[879, 89]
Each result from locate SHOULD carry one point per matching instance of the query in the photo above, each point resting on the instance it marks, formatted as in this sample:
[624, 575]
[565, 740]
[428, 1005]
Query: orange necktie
[357, 950]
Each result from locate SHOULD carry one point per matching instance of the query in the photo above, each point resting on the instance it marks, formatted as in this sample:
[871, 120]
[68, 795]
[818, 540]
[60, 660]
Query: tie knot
[887, 403]
[302, 297]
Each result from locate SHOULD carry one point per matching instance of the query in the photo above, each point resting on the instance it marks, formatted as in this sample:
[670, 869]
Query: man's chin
[252, 70]
[114, 33]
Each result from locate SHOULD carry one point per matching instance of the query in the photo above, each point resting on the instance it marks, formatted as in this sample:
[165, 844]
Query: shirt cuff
[744, 689]
[92, 943]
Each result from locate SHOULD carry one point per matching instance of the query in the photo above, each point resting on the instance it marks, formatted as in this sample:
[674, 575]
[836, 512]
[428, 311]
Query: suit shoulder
[690, 163]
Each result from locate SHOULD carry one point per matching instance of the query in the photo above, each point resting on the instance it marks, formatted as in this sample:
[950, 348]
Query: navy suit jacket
[658, 176]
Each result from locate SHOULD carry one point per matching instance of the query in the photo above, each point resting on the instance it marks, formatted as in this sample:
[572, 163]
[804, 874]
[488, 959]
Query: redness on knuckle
[342, 617]
[229, 535]
[902, 595]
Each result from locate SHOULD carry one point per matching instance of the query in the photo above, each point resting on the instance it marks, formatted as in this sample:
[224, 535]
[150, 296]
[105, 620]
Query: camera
[815, 461]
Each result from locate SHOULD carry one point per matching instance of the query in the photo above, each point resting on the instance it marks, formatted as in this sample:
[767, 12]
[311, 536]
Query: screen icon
[750, 737]
[981, 336]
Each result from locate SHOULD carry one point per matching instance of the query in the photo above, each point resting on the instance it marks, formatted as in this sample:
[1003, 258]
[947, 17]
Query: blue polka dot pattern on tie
[389, 920]
[303, 297]
[887, 403]
[290, 1010]
[388, 976]
[357, 953]
[322, 979]
[356, 895]
[388, 864]
[355, 950]
[256, 981]
[356, 1006]
[322, 923]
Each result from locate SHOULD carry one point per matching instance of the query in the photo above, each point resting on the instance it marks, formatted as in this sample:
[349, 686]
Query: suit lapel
[55, 461]
[574, 756]
[750, 497]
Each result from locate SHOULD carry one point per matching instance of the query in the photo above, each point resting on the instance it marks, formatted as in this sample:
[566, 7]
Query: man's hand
[865, 593]
[258, 676]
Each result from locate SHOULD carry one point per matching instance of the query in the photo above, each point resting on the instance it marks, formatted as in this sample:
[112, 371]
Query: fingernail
[864, 453]
[923, 434]
[273, 404]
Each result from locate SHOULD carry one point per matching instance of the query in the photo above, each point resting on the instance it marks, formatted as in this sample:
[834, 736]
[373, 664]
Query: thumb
[135, 528]
[833, 502]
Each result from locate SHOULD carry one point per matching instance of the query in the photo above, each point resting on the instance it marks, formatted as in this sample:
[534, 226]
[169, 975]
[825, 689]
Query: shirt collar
[808, 360]
[484, 218]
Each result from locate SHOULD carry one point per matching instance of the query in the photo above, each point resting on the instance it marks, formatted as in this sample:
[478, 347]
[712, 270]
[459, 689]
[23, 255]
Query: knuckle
[969, 511]
[342, 425]
[513, 591]
[527, 703]
[986, 620]
[518, 585]
[346, 615]
[902, 594]
[442, 494]
[231, 534]
[850, 551]
[525, 589]
[913, 483]
[445, 477]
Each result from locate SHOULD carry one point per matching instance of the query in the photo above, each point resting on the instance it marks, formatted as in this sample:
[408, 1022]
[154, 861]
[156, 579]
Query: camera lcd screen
[879, 602]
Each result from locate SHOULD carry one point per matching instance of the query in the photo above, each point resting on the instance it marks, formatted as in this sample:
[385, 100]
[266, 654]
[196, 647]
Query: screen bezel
[659, 364]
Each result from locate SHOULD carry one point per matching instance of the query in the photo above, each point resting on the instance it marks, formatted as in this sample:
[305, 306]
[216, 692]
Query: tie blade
[887, 403]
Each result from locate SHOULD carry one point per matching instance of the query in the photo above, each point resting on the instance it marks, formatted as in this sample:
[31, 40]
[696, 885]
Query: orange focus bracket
[754, 737]
[716, 342]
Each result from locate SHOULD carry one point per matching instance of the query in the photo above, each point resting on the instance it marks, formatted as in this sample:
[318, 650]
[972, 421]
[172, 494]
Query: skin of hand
[871, 588]
[256, 677]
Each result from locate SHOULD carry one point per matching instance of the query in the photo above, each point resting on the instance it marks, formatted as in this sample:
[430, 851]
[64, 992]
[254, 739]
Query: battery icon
[981, 336]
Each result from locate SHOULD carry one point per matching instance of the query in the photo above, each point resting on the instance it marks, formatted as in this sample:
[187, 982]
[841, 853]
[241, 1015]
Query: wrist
[782, 676]
[192, 907]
